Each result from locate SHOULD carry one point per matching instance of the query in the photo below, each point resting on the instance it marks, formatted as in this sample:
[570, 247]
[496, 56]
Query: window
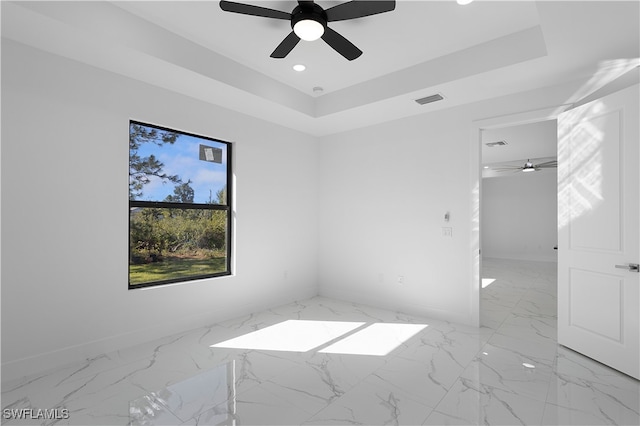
[179, 206]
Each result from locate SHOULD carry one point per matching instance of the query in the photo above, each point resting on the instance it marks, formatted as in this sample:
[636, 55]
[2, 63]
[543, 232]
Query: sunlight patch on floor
[486, 282]
[378, 339]
[291, 335]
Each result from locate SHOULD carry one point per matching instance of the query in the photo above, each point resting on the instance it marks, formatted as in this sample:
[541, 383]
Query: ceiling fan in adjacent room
[528, 166]
[309, 22]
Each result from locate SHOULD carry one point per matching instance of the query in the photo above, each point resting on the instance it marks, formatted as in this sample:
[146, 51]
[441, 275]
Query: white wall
[384, 191]
[65, 213]
[519, 216]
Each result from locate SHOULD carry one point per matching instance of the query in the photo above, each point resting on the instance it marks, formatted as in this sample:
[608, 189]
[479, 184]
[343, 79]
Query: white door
[599, 230]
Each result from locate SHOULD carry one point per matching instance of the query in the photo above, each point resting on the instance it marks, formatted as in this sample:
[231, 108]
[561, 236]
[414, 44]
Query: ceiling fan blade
[505, 167]
[286, 46]
[341, 44]
[553, 163]
[358, 9]
[247, 9]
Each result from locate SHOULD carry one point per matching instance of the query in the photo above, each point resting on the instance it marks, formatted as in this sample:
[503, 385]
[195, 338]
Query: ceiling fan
[309, 22]
[528, 166]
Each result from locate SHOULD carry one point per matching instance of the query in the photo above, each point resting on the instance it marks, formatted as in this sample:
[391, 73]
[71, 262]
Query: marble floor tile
[188, 398]
[323, 379]
[256, 406]
[544, 309]
[492, 298]
[611, 404]
[541, 349]
[471, 403]
[98, 399]
[446, 352]
[254, 321]
[572, 364]
[509, 371]
[414, 378]
[345, 369]
[372, 402]
[534, 330]
[556, 415]
[150, 410]
[546, 327]
[58, 376]
[490, 321]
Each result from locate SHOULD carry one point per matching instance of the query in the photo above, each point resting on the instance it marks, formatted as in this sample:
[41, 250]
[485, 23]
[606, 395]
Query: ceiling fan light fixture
[308, 29]
[309, 22]
[464, 2]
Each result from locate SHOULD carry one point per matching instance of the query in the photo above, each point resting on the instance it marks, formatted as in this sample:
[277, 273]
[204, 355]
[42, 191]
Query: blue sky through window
[183, 159]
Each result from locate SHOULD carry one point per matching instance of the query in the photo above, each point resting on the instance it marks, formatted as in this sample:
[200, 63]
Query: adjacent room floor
[327, 362]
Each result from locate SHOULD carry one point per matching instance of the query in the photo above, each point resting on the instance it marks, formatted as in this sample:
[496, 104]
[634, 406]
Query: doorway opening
[522, 130]
[518, 217]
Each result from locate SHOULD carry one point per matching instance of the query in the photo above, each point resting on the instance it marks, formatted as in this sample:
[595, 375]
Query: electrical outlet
[447, 232]
[400, 279]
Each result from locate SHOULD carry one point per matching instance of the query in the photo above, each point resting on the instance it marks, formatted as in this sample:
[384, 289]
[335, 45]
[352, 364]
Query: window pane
[176, 244]
[167, 165]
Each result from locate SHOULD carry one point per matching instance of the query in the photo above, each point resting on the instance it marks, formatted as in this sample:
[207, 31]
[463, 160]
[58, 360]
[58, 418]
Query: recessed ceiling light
[464, 2]
[486, 167]
[299, 67]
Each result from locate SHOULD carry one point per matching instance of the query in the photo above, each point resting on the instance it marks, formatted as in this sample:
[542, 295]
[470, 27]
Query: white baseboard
[526, 257]
[424, 311]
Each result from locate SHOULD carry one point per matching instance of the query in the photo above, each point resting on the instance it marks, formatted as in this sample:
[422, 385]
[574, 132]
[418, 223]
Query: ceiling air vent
[499, 143]
[429, 99]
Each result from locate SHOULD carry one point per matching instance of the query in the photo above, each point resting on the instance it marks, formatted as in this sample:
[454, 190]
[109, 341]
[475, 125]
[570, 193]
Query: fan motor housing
[312, 12]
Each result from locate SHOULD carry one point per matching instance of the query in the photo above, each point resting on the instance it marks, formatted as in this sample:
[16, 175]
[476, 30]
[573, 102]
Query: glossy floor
[326, 362]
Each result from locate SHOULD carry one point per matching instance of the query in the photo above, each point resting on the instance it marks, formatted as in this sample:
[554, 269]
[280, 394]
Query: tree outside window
[179, 211]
